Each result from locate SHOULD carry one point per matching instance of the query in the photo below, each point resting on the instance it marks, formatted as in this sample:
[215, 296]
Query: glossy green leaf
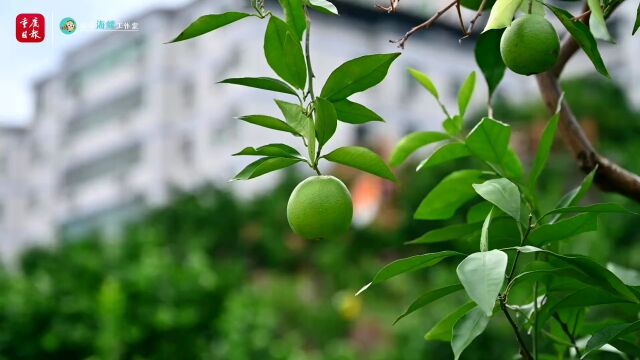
[357, 75]
[583, 36]
[597, 23]
[547, 273]
[544, 149]
[443, 329]
[511, 165]
[465, 93]
[488, 58]
[453, 125]
[628, 276]
[447, 197]
[489, 140]
[269, 122]
[425, 81]
[502, 14]
[264, 166]
[323, 6]
[294, 14]
[467, 329]
[597, 272]
[612, 208]
[208, 23]
[284, 53]
[411, 143]
[264, 83]
[272, 150]
[451, 232]
[326, 120]
[482, 275]
[295, 117]
[574, 196]
[502, 193]
[354, 113]
[409, 264]
[361, 158]
[484, 234]
[429, 297]
[445, 153]
[609, 333]
[564, 229]
[636, 26]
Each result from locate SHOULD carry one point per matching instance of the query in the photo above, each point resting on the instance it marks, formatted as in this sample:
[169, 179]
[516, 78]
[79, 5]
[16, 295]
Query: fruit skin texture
[530, 45]
[320, 207]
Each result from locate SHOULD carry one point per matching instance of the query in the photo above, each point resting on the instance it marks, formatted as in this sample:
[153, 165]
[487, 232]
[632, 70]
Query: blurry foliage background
[213, 277]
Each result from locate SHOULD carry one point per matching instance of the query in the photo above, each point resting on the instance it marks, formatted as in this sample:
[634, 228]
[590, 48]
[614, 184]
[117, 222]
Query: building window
[115, 163]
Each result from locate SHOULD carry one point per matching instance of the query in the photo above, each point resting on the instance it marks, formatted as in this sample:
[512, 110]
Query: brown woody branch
[425, 25]
[393, 6]
[609, 176]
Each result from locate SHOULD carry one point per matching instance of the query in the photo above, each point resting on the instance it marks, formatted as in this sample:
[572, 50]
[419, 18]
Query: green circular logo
[68, 26]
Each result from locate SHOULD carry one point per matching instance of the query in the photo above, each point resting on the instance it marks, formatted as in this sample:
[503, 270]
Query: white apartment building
[129, 119]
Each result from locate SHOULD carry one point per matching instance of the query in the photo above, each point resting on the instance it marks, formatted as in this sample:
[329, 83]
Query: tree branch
[425, 25]
[609, 176]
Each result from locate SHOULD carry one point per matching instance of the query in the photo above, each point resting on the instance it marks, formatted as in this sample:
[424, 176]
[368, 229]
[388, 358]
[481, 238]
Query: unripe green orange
[530, 45]
[320, 207]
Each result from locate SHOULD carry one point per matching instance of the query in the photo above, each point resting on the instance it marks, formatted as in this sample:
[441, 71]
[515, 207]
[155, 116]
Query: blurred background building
[129, 120]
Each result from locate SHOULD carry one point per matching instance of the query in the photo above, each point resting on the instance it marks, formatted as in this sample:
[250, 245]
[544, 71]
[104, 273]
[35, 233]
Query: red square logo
[30, 28]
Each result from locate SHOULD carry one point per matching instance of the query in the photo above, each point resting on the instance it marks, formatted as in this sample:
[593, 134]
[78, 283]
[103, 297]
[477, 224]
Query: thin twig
[393, 6]
[472, 23]
[464, 31]
[582, 16]
[524, 351]
[566, 330]
[425, 25]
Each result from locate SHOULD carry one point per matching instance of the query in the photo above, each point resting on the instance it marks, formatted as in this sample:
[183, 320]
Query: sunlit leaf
[484, 234]
[447, 197]
[323, 6]
[445, 153]
[628, 276]
[502, 193]
[502, 14]
[411, 143]
[361, 158]
[354, 113]
[295, 117]
[482, 275]
[294, 13]
[425, 81]
[469, 327]
[465, 93]
[597, 23]
[357, 75]
[208, 23]
[489, 140]
[429, 297]
[272, 150]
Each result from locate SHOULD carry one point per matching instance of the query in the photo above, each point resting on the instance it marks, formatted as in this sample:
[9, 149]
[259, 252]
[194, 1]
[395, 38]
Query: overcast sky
[22, 64]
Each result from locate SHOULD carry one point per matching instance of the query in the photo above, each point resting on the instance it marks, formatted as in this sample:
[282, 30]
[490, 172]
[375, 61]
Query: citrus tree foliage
[519, 243]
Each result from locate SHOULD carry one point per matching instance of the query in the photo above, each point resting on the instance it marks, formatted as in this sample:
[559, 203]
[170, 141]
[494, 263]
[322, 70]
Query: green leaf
[264, 166]
[595, 208]
[547, 273]
[326, 120]
[295, 117]
[361, 158]
[484, 234]
[425, 81]
[411, 143]
[453, 125]
[637, 23]
[489, 140]
[357, 75]
[488, 58]
[354, 113]
[465, 93]
[609, 333]
[574, 196]
[429, 297]
[544, 149]
[511, 165]
[451, 232]
[264, 83]
[469, 327]
[583, 37]
[564, 229]
[323, 6]
[269, 122]
[482, 275]
[445, 153]
[502, 14]
[409, 264]
[451, 193]
[479, 211]
[630, 277]
[443, 330]
[595, 271]
[502, 193]
[284, 54]
[294, 13]
[272, 150]
[597, 24]
[207, 23]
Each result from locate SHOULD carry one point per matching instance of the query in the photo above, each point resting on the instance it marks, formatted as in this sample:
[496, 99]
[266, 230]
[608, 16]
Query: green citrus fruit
[475, 4]
[530, 45]
[320, 207]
